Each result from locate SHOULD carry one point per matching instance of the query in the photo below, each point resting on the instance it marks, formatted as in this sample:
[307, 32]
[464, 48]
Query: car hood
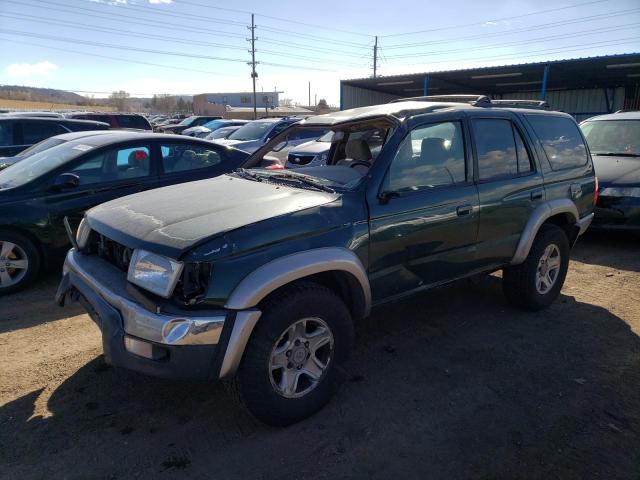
[614, 170]
[197, 129]
[171, 220]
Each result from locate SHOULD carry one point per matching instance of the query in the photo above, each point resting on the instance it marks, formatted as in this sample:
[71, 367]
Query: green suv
[261, 274]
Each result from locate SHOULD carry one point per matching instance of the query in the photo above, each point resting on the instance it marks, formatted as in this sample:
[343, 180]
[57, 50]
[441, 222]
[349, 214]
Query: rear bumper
[584, 223]
[614, 213]
[179, 343]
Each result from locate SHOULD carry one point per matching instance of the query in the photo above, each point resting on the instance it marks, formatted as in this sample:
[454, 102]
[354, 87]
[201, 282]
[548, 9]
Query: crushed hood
[173, 219]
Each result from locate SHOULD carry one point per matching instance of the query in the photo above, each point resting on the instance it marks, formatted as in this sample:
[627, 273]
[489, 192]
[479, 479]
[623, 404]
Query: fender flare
[537, 218]
[281, 271]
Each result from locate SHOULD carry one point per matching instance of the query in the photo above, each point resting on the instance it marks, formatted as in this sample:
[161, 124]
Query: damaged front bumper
[141, 336]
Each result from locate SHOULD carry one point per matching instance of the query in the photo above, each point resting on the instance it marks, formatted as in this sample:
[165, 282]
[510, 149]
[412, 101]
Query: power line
[119, 59]
[495, 20]
[535, 53]
[313, 37]
[96, 28]
[520, 42]
[117, 47]
[119, 18]
[156, 11]
[520, 30]
[302, 46]
[280, 19]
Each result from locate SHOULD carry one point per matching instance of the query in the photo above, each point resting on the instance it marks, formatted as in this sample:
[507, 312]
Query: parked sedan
[192, 121]
[65, 180]
[19, 133]
[614, 141]
[253, 135]
[202, 131]
[48, 143]
[116, 120]
[221, 133]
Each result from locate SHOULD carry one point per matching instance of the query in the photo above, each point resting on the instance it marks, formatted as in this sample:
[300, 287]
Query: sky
[186, 47]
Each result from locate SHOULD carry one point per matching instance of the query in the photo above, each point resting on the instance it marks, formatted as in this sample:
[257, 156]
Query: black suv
[262, 273]
[18, 133]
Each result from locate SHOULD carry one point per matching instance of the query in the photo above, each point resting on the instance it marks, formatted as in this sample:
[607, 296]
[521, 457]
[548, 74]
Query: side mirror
[65, 180]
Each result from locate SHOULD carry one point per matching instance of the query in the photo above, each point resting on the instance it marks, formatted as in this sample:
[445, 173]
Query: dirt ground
[452, 384]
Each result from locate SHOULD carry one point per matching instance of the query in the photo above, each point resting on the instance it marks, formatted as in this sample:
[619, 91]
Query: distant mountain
[16, 92]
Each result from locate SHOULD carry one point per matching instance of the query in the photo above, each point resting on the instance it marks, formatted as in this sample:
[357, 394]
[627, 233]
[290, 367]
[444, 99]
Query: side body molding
[539, 215]
[267, 278]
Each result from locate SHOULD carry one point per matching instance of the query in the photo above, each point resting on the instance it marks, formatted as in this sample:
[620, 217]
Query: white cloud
[31, 69]
[160, 1]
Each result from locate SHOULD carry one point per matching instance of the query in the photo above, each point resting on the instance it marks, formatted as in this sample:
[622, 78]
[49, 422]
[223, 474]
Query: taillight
[595, 193]
[275, 166]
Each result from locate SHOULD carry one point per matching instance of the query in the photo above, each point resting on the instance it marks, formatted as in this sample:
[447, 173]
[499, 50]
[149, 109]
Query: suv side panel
[505, 203]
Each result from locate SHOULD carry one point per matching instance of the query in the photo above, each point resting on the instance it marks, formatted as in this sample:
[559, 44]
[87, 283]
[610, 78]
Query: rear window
[132, 121]
[561, 141]
[34, 131]
[6, 133]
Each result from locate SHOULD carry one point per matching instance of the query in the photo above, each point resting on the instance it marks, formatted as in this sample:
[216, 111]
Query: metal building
[582, 87]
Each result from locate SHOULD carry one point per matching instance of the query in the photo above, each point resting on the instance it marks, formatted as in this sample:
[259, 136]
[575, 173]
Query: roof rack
[535, 104]
[479, 100]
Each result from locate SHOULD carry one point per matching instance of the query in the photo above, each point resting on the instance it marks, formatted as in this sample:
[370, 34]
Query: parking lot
[451, 384]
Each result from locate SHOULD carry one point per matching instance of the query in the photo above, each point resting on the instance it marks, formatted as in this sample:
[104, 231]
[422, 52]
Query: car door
[185, 162]
[424, 224]
[104, 175]
[510, 186]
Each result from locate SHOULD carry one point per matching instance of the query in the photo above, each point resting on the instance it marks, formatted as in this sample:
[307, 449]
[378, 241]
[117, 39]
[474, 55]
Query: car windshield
[352, 151]
[613, 137]
[251, 131]
[221, 133]
[214, 124]
[43, 145]
[38, 164]
[188, 121]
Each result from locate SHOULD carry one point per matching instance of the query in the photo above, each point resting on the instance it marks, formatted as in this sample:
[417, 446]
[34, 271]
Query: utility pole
[253, 64]
[309, 94]
[375, 57]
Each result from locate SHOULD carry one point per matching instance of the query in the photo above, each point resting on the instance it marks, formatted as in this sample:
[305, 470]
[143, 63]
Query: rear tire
[536, 283]
[19, 262]
[296, 355]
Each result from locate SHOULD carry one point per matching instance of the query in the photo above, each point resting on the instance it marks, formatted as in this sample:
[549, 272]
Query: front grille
[110, 250]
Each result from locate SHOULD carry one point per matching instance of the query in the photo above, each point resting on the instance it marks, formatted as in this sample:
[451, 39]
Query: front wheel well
[342, 283]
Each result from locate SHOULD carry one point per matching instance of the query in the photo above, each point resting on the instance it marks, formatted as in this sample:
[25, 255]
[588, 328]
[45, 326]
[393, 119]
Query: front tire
[536, 283]
[19, 262]
[296, 355]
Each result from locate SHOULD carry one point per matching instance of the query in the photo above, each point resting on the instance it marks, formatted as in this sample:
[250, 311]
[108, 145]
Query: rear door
[424, 224]
[185, 162]
[510, 186]
[105, 175]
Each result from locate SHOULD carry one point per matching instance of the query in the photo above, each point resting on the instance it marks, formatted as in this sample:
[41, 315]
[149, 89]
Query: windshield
[38, 164]
[251, 131]
[221, 133]
[188, 121]
[341, 164]
[613, 136]
[43, 145]
[214, 124]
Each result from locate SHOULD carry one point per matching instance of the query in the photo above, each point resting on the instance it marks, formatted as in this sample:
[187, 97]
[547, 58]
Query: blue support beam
[425, 86]
[341, 104]
[545, 78]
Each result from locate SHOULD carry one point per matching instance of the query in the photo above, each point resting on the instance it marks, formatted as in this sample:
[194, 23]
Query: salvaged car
[261, 274]
[79, 172]
[614, 141]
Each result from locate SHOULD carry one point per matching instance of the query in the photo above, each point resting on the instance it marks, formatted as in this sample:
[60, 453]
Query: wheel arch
[560, 212]
[336, 268]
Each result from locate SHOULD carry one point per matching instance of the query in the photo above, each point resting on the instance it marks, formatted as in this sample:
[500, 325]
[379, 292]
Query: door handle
[464, 210]
[537, 195]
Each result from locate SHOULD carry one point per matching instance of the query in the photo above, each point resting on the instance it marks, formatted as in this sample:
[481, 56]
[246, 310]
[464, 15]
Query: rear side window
[561, 141]
[132, 121]
[181, 157]
[34, 131]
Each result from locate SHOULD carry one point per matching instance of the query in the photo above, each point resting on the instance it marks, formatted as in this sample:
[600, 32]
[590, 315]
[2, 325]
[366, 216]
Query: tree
[119, 100]
[322, 103]
[181, 105]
